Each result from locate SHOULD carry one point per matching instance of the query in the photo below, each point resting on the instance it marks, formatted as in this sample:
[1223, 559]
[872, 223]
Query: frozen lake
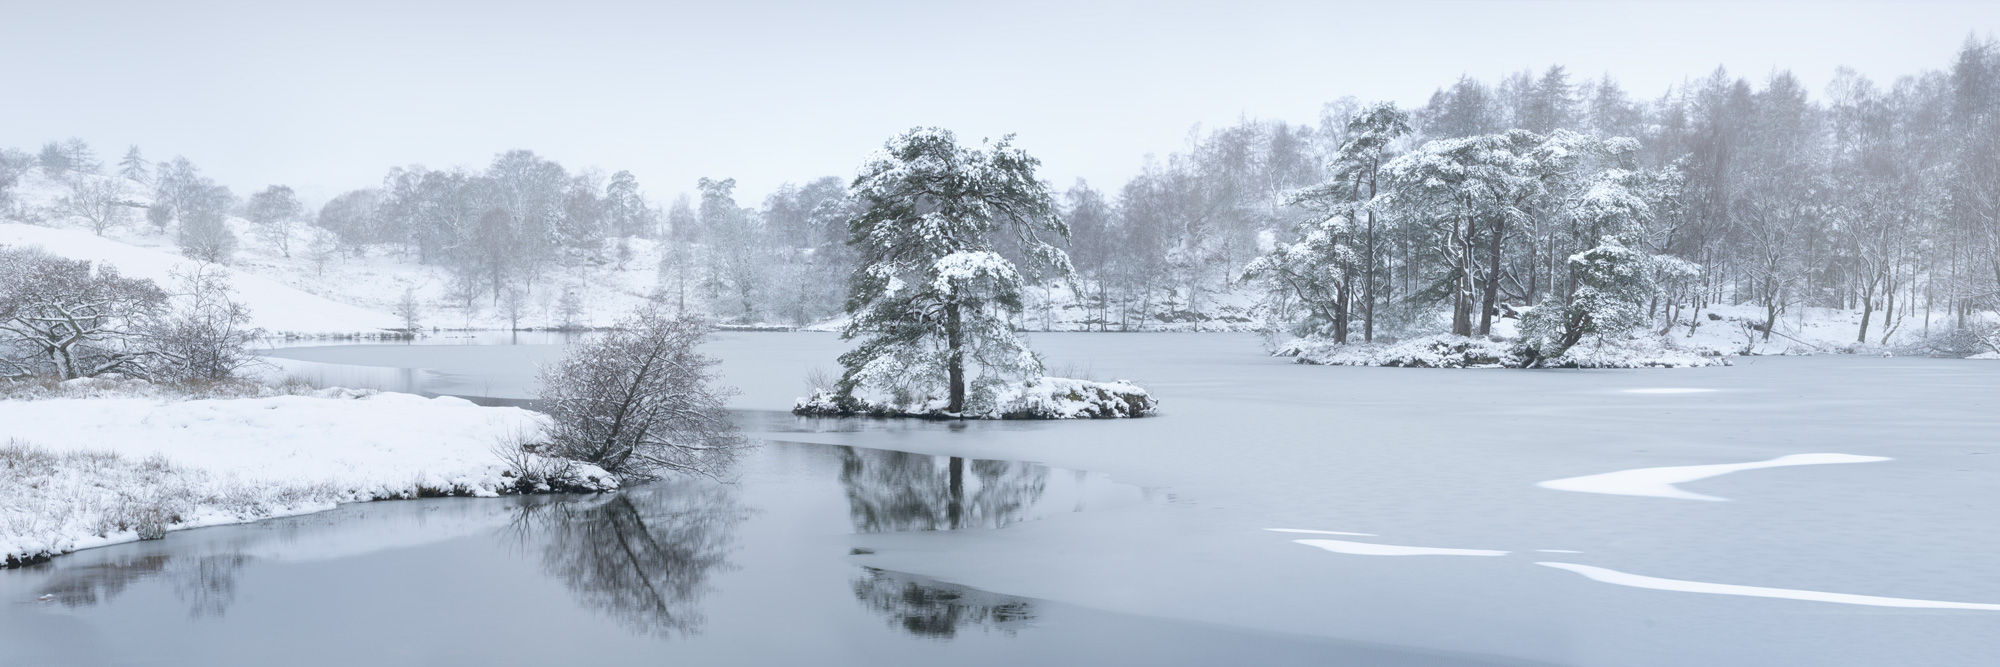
[1815, 510]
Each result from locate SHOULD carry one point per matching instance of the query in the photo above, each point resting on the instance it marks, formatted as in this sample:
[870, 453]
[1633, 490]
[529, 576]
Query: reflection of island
[205, 583]
[895, 491]
[643, 556]
[935, 609]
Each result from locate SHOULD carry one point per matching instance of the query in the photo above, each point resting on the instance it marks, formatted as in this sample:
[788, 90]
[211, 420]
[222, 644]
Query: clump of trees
[639, 401]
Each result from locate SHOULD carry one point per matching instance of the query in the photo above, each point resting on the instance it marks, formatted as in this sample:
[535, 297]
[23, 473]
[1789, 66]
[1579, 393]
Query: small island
[939, 228]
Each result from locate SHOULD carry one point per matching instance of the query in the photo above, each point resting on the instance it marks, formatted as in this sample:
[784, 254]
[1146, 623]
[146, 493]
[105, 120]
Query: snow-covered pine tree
[931, 296]
[1334, 255]
[1615, 279]
[133, 167]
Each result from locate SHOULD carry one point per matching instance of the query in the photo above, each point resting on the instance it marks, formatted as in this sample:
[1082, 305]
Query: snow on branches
[939, 228]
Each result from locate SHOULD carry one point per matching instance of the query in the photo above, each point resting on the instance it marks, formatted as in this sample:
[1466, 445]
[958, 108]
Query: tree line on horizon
[1878, 197]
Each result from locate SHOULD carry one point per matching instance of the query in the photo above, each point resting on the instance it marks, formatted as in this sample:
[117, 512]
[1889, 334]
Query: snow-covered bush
[1038, 398]
[203, 335]
[638, 400]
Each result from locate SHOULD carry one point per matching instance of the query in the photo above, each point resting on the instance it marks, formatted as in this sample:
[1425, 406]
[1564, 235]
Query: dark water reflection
[643, 556]
[898, 491]
[206, 583]
[936, 610]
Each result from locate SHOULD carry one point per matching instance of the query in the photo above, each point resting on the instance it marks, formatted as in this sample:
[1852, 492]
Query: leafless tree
[638, 400]
[99, 201]
[410, 310]
[204, 335]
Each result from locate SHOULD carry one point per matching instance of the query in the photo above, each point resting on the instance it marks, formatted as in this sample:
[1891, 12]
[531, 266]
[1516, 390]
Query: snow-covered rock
[83, 472]
[1039, 398]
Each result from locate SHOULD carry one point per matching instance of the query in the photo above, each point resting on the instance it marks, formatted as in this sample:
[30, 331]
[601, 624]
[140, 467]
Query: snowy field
[1824, 510]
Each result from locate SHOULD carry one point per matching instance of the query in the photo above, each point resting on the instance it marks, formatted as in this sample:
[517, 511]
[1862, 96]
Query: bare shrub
[638, 400]
[205, 335]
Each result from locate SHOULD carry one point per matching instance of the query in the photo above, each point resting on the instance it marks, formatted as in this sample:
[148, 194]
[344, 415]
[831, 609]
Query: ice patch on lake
[1558, 551]
[1317, 532]
[1667, 390]
[1659, 482]
[1656, 583]
[1366, 549]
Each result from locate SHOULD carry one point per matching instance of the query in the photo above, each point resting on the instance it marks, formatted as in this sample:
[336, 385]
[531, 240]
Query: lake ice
[1172, 523]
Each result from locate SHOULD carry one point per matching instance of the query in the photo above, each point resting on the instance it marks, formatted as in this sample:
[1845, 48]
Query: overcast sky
[327, 97]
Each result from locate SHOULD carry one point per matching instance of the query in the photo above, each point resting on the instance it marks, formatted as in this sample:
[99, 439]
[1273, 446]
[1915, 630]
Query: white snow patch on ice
[1656, 583]
[1668, 390]
[1317, 532]
[1659, 482]
[1366, 549]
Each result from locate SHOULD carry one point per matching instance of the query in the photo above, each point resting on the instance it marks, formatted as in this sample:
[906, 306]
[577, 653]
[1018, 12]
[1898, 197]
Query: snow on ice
[1659, 482]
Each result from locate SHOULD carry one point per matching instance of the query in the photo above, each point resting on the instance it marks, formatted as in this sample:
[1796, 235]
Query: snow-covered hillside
[274, 306]
[346, 293]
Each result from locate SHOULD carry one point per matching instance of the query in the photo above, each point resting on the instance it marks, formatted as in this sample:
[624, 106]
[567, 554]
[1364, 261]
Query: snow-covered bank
[84, 472]
[1447, 351]
[1041, 398]
[275, 307]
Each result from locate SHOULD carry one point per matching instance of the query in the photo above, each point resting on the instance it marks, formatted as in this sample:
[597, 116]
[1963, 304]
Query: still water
[1427, 537]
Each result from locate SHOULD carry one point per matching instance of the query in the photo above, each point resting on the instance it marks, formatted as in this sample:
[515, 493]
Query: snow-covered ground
[274, 306]
[87, 467]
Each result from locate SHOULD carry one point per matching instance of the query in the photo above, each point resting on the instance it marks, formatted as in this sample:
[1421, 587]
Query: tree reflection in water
[896, 491]
[937, 610]
[643, 556]
[205, 583]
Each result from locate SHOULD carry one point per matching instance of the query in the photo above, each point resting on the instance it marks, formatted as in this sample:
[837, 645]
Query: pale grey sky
[326, 96]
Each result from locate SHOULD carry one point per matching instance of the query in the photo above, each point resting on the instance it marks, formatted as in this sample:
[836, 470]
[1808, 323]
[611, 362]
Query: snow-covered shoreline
[1447, 351]
[88, 467]
[1040, 398]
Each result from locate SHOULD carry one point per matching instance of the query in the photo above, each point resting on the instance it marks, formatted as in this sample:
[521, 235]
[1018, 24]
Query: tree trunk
[1492, 295]
[956, 510]
[955, 358]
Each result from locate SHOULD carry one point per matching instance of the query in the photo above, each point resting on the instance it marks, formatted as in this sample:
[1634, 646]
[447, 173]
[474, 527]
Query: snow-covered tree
[639, 400]
[204, 232]
[66, 319]
[1337, 247]
[100, 202]
[933, 295]
[409, 310]
[204, 334]
[1615, 280]
[274, 211]
[133, 166]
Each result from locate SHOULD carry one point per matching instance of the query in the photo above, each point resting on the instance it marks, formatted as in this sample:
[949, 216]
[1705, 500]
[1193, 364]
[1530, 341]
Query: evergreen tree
[932, 297]
[133, 167]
